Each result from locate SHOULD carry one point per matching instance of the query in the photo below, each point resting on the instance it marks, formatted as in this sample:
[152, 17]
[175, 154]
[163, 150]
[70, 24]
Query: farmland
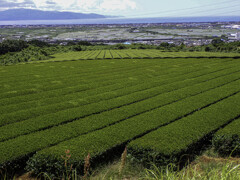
[160, 105]
[133, 54]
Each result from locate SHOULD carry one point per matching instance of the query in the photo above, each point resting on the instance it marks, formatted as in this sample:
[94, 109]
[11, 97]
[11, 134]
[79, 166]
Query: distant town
[190, 34]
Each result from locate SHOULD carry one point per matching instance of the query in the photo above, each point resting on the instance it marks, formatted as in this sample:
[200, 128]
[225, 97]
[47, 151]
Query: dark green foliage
[77, 48]
[53, 165]
[217, 42]
[207, 49]
[80, 43]
[148, 156]
[227, 145]
[38, 43]
[227, 140]
[31, 53]
[169, 47]
[217, 45]
[71, 43]
[121, 46]
[142, 47]
[84, 43]
[12, 46]
[164, 45]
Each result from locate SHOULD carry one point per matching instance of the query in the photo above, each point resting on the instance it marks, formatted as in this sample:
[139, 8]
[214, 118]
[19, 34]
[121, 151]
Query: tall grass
[206, 169]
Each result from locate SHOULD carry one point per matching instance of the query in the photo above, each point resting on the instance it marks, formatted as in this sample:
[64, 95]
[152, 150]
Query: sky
[133, 8]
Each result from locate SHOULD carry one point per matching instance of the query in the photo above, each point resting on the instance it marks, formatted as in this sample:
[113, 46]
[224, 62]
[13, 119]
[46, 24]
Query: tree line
[15, 51]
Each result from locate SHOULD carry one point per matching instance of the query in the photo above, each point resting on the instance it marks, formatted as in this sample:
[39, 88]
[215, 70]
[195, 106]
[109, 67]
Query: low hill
[30, 14]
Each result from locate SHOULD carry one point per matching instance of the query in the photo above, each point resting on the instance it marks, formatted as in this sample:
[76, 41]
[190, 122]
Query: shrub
[227, 145]
[77, 48]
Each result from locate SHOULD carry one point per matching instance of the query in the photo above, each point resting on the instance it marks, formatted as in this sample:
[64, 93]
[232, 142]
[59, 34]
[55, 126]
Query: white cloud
[12, 4]
[39, 3]
[112, 5]
[86, 5]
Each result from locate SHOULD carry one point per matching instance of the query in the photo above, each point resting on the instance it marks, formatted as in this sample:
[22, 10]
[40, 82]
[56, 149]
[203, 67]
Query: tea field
[160, 108]
[135, 53]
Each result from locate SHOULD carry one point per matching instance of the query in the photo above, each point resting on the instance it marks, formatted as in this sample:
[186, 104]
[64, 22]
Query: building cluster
[231, 26]
[234, 36]
[134, 28]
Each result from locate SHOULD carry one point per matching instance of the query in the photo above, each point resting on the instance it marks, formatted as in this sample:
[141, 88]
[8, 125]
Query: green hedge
[115, 54]
[24, 87]
[108, 55]
[103, 81]
[80, 95]
[33, 112]
[99, 142]
[66, 81]
[181, 138]
[123, 93]
[53, 70]
[183, 88]
[133, 53]
[91, 55]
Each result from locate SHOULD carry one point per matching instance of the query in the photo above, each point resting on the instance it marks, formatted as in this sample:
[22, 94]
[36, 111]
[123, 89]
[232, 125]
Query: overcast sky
[133, 8]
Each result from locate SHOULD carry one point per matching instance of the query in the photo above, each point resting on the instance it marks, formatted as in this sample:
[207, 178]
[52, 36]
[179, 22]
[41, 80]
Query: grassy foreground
[203, 168]
[207, 166]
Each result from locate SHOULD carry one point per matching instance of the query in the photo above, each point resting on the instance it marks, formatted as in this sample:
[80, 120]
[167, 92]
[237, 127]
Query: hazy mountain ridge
[30, 14]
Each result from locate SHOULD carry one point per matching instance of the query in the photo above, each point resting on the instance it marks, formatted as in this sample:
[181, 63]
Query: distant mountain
[30, 14]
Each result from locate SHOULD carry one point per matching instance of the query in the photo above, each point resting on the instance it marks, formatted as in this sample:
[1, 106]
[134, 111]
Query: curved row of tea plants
[99, 142]
[91, 95]
[55, 103]
[170, 143]
[195, 85]
[52, 96]
[71, 83]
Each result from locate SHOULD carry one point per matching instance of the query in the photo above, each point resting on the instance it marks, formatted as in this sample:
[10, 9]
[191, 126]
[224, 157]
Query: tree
[38, 43]
[164, 45]
[207, 49]
[120, 46]
[12, 46]
[84, 43]
[217, 42]
[77, 48]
